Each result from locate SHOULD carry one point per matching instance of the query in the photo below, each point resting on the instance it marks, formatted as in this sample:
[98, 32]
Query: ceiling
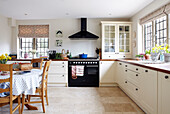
[52, 9]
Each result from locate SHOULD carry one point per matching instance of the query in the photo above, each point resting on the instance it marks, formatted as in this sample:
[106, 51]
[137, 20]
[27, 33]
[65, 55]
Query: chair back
[45, 74]
[6, 67]
[38, 61]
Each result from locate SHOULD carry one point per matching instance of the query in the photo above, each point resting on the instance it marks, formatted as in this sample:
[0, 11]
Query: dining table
[24, 83]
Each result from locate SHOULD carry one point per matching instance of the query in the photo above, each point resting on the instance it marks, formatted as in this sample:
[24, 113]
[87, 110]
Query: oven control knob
[95, 62]
[86, 62]
[78, 62]
[73, 62]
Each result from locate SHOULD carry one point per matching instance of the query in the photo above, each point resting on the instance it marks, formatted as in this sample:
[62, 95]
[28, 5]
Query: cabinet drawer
[58, 69]
[133, 68]
[113, 56]
[133, 90]
[57, 78]
[132, 77]
[59, 63]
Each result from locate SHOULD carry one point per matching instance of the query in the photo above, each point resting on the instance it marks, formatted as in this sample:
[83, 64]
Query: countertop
[159, 66]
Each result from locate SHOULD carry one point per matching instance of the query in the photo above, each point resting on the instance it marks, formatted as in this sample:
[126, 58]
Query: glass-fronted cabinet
[109, 38]
[124, 38]
[116, 37]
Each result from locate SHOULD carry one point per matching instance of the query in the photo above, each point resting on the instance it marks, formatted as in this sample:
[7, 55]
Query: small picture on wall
[59, 34]
[59, 43]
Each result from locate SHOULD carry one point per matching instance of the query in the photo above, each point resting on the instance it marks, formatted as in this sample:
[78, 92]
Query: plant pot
[147, 57]
[154, 56]
[167, 57]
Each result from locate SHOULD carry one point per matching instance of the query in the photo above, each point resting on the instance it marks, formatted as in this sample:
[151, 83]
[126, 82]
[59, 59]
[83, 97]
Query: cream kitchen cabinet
[107, 73]
[148, 94]
[116, 40]
[163, 93]
[58, 73]
[140, 85]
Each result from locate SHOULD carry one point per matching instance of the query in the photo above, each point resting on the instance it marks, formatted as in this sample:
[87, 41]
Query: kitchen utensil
[83, 56]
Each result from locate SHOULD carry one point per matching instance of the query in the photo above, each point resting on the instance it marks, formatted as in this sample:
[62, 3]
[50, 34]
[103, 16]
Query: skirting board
[108, 84]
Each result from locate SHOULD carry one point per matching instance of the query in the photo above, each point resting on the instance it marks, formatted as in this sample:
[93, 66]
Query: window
[148, 36]
[155, 32]
[28, 44]
[33, 38]
[160, 31]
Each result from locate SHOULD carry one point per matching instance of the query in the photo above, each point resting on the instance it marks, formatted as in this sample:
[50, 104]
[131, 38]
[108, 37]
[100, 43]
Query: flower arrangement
[4, 58]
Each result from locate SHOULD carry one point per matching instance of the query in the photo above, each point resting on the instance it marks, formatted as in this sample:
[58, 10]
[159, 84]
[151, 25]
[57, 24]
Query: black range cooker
[89, 72]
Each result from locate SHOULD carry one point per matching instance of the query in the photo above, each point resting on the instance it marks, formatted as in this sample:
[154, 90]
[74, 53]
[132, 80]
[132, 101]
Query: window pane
[160, 31]
[42, 46]
[26, 46]
[148, 36]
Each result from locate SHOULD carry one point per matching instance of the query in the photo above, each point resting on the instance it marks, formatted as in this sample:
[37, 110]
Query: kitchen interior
[112, 59]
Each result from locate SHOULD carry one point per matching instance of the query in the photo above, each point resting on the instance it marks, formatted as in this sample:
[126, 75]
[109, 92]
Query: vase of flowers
[4, 58]
[155, 53]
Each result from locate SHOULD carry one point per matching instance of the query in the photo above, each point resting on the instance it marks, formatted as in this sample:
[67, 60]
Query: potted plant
[147, 54]
[167, 53]
[139, 57]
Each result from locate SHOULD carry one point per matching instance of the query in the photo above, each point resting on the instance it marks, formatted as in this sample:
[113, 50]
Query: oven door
[89, 79]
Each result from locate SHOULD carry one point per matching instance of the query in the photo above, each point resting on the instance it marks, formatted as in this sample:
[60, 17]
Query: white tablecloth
[25, 83]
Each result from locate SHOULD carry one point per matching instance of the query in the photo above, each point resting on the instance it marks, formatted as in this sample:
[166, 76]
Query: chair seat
[6, 99]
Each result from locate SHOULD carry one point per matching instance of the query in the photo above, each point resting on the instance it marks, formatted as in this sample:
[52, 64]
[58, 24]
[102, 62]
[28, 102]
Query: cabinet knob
[126, 70]
[63, 66]
[63, 75]
[136, 68]
[123, 56]
[166, 77]
[120, 63]
[136, 89]
[109, 56]
[63, 62]
[125, 65]
[146, 70]
[136, 74]
[125, 81]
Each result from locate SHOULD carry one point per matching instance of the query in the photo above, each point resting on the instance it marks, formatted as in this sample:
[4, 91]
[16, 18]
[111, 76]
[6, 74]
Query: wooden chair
[40, 61]
[9, 99]
[41, 90]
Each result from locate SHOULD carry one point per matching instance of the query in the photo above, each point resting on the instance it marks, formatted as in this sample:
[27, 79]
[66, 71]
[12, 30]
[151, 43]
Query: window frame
[154, 40]
[34, 46]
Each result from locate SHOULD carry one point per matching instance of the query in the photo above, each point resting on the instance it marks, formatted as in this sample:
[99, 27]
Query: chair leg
[19, 103]
[11, 102]
[46, 96]
[23, 102]
[29, 98]
[43, 104]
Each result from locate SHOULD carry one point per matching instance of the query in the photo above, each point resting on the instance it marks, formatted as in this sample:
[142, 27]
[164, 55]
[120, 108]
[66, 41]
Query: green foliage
[148, 52]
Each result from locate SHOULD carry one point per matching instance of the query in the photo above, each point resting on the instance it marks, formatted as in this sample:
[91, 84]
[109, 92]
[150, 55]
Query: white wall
[5, 36]
[138, 28]
[69, 26]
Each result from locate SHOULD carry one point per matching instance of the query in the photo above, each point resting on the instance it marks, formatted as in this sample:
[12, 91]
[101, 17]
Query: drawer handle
[109, 56]
[63, 75]
[146, 70]
[136, 89]
[63, 66]
[120, 63]
[63, 62]
[125, 65]
[136, 74]
[166, 77]
[124, 56]
[136, 68]
[126, 70]
[125, 81]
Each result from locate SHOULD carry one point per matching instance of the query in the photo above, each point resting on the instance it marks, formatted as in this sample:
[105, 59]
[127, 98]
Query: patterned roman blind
[33, 31]
[164, 10]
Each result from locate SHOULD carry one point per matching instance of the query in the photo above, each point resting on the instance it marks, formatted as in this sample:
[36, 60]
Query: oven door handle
[92, 66]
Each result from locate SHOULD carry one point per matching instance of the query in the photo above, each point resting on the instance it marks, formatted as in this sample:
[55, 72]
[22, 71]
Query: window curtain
[33, 31]
[156, 14]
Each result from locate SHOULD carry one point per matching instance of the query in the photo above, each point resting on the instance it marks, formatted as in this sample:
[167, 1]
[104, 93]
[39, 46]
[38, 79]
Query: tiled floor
[103, 100]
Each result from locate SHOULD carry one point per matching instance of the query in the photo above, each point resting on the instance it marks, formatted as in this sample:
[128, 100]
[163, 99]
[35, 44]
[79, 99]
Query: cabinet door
[124, 37]
[121, 80]
[148, 90]
[163, 93]
[107, 72]
[108, 38]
